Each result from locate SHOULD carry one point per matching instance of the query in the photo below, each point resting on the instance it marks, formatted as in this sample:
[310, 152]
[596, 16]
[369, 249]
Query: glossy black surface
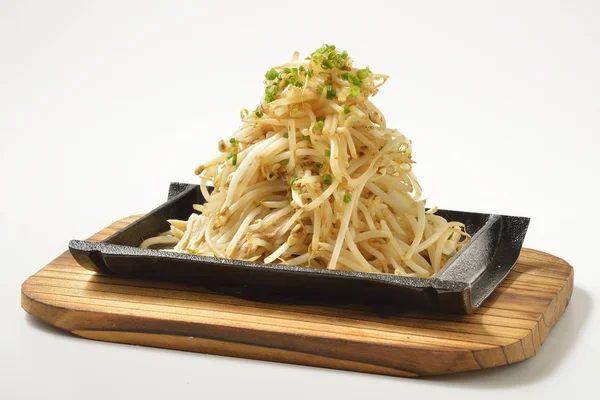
[462, 285]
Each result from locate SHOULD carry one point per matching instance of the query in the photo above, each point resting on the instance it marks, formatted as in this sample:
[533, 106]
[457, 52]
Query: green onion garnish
[346, 109]
[317, 165]
[258, 112]
[354, 91]
[293, 81]
[327, 153]
[331, 92]
[286, 135]
[351, 78]
[363, 73]
[234, 142]
[270, 93]
[271, 74]
[326, 64]
[347, 198]
[233, 158]
[327, 179]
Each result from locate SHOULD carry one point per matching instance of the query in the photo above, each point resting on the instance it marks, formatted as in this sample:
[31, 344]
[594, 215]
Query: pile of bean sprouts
[314, 177]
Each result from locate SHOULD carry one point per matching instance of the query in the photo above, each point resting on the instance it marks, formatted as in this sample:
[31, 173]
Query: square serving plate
[462, 285]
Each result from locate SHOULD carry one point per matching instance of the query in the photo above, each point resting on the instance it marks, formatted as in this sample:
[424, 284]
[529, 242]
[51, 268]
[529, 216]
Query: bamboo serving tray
[509, 327]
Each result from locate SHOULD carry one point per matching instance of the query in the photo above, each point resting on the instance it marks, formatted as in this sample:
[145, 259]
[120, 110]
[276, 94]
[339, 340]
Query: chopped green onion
[287, 70]
[319, 125]
[270, 93]
[327, 179]
[284, 162]
[354, 80]
[286, 135]
[233, 158]
[319, 89]
[310, 73]
[234, 142]
[329, 56]
[317, 165]
[292, 80]
[363, 73]
[327, 64]
[347, 198]
[346, 109]
[354, 91]
[271, 74]
[351, 78]
[258, 112]
[327, 153]
[331, 92]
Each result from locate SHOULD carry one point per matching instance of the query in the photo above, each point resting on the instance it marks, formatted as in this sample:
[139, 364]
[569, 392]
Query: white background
[102, 104]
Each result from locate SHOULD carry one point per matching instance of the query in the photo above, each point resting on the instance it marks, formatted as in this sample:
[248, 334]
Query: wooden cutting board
[510, 326]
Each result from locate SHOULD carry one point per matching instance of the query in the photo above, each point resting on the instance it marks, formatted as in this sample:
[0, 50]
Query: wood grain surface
[510, 326]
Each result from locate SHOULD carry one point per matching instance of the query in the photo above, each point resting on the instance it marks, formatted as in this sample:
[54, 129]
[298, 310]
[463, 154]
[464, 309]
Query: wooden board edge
[529, 345]
[60, 318]
[68, 320]
[521, 349]
[238, 350]
[49, 314]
